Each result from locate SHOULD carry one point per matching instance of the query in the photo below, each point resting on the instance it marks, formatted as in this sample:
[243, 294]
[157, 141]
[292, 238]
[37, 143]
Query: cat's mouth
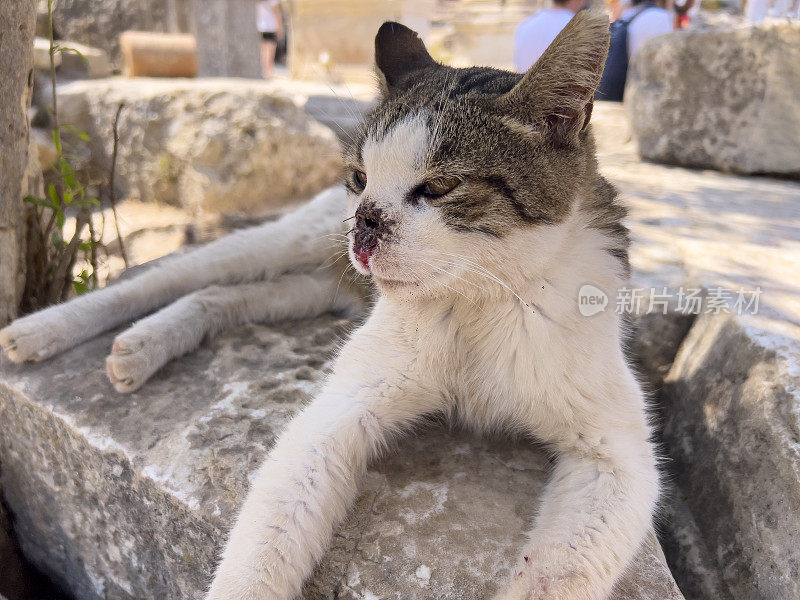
[363, 257]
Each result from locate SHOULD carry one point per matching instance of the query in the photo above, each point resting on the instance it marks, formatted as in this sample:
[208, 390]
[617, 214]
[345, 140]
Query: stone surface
[209, 145]
[148, 54]
[724, 98]
[225, 29]
[732, 424]
[729, 401]
[129, 496]
[155, 467]
[45, 149]
[98, 23]
[17, 22]
[227, 38]
[41, 54]
[20, 174]
[83, 61]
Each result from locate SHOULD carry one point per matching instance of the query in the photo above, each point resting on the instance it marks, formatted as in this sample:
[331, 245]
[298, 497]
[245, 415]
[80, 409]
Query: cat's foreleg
[310, 478]
[307, 236]
[594, 514]
[179, 328]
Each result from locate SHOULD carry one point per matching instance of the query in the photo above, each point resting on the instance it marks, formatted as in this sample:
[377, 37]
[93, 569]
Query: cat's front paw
[33, 338]
[532, 582]
[133, 360]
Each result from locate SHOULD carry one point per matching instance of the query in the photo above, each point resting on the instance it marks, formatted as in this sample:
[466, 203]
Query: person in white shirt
[270, 25]
[650, 22]
[534, 34]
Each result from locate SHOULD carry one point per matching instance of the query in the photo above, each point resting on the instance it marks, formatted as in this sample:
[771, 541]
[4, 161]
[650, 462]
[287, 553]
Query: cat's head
[459, 167]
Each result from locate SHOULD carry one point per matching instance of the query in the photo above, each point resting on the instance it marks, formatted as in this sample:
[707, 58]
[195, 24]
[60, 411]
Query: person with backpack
[534, 34]
[641, 22]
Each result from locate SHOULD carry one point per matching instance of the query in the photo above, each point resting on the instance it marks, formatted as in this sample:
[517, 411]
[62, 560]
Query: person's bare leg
[268, 48]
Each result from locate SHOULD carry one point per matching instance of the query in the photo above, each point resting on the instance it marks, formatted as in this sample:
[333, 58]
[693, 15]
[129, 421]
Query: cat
[477, 210]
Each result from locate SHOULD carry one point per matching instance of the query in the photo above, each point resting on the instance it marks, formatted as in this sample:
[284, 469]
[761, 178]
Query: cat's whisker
[341, 100]
[339, 283]
[333, 259]
[438, 282]
[451, 274]
[333, 119]
[490, 275]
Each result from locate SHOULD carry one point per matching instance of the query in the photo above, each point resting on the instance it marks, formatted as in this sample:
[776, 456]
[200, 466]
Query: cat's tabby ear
[399, 53]
[556, 93]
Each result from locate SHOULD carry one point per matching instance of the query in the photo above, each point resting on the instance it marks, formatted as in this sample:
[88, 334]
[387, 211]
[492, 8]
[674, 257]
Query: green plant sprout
[51, 269]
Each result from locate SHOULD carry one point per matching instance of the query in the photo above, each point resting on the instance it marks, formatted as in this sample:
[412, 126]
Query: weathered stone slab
[130, 496]
[209, 145]
[148, 54]
[83, 61]
[724, 98]
[729, 402]
[732, 424]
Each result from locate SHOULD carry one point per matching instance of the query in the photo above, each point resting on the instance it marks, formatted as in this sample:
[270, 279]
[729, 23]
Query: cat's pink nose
[363, 254]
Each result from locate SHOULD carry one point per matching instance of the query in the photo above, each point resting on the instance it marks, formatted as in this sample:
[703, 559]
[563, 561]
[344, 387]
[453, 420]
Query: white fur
[490, 333]
[486, 331]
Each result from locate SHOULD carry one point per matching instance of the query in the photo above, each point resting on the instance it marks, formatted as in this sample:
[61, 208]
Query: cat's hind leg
[179, 328]
[306, 236]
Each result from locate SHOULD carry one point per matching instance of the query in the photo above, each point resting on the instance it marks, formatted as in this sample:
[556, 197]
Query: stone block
[83, 61]
[722, 98]
[41, 55]
[725, 386]
[99, 23]
[130, 496]
[208, 145]
[75, 61]
[146, 54]
[731, 423]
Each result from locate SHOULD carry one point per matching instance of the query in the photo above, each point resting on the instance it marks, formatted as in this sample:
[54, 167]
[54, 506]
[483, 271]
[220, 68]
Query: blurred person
[646, 21]
[270, 25]
[534, 34]
[638, 24]
[685, 10]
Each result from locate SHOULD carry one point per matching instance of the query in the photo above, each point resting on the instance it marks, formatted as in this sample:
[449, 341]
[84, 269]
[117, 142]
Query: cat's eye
[360, 179]
[440, 186]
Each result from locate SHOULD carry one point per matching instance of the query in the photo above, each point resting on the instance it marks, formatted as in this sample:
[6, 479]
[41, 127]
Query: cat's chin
[387, 284]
